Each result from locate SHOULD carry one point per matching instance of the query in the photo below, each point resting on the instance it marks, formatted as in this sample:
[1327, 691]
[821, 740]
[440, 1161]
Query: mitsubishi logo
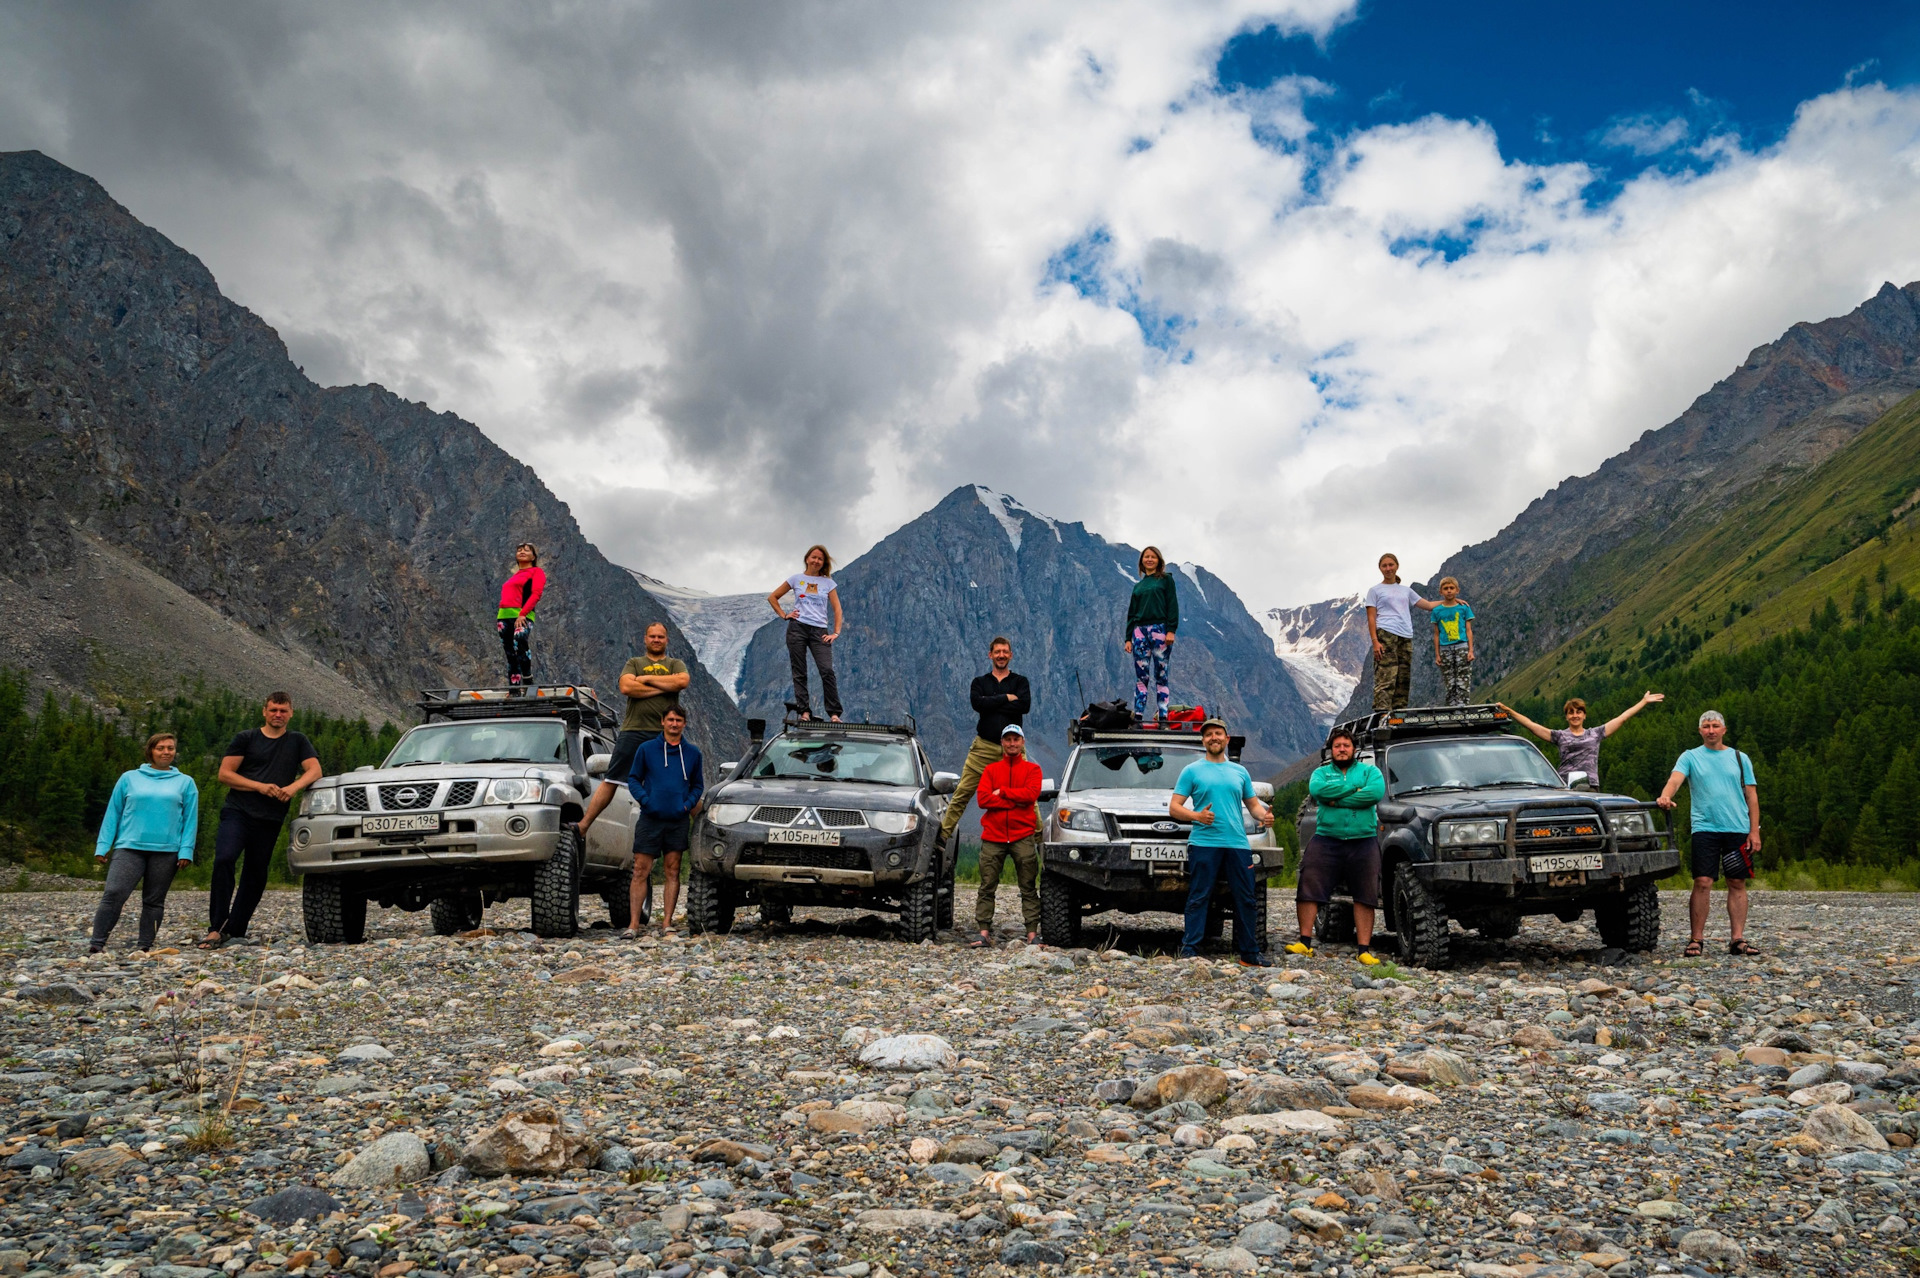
[1166, 827]
[407, 797]
[805, 817]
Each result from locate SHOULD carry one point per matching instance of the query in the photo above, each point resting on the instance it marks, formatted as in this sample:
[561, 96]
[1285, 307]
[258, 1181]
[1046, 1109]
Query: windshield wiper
[1424, 789]
[415, 763]
[1502, 785]
[503, 759]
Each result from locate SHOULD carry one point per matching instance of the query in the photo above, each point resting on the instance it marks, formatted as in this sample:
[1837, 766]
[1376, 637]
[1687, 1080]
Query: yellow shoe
[1300, 947]
[1369, 958]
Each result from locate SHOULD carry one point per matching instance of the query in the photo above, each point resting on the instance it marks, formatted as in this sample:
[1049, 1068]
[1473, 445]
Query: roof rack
[1184, 734]
[907, 729]
[572, 702]
[1424, 721]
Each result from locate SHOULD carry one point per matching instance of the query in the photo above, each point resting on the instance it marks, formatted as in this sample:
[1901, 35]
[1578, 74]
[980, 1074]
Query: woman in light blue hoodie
[152, 822]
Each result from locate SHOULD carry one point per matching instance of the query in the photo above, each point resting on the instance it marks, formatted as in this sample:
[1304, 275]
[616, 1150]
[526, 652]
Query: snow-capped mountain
[1324, 646]
[718, 626]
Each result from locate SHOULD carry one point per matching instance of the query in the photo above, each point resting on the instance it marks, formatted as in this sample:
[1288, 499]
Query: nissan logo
[407, 797]
[1166, 827]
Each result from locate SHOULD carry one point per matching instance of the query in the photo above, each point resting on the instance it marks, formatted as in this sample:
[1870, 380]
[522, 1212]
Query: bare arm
[1469, 638]
[774, 598]
[309, 773]
[1181, 812]
[633, 685]
[1675, 781]
[1613, 724]
[1262, 814]
[1538, 731]
[1373, 630]
[833, 597]
[1753, 817]
[231, 778]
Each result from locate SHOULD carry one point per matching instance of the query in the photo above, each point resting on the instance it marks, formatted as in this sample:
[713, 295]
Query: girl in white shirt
[809, 629]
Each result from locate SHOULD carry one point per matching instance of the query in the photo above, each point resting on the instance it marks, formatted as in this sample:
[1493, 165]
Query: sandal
[1740, 945]
[1033, 939]
[630, 934]
[1693, 950]
[981, 942]
[211, 941]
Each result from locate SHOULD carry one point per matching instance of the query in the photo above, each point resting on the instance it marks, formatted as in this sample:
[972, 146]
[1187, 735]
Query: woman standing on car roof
[811, 630]
[518, 598]
[1153, 615]
[1578, 744]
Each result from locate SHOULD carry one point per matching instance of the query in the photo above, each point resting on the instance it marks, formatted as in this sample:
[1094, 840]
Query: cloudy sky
[1275, 286]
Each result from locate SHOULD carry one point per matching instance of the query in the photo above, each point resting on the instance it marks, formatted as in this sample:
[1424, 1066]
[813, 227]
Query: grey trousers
[152, 872]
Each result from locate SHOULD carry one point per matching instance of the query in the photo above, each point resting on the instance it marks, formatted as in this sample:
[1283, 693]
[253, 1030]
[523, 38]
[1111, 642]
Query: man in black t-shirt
[263, 769]
[1000, 697]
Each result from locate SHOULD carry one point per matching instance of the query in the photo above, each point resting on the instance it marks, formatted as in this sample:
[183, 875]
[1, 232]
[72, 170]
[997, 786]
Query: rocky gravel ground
[823, 1098]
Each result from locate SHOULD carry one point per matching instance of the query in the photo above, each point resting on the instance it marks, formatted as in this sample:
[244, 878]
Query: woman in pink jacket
[515, 619]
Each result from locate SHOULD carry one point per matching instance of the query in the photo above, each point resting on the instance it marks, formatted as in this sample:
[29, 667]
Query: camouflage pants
[1456, 674]
[1392, 672]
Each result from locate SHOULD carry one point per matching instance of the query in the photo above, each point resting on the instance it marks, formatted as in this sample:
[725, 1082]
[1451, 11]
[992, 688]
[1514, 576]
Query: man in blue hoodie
[667, 781]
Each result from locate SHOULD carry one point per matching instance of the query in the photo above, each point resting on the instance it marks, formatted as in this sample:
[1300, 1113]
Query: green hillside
[1848, 529]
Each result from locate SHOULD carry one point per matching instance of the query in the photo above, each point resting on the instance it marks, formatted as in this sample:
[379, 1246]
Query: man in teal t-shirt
[1726, 828]
[1217, 841]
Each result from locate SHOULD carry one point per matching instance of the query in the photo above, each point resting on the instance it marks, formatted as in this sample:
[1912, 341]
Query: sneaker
[1189, 954]
[1369, 958]
[1302, 948]
[1258, 960]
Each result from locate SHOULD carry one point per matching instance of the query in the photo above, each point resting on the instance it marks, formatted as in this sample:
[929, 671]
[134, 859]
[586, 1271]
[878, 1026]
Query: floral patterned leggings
[1151, 653]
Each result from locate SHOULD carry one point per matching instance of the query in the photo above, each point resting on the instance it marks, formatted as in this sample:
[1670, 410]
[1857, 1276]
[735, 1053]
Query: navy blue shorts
[657, 836]
[1710, 851]
[625, 746]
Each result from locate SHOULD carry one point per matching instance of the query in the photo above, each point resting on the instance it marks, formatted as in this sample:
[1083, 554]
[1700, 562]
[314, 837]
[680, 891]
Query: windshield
[798, 758]
[1135, 767]
[482, 743]
[1466, 765]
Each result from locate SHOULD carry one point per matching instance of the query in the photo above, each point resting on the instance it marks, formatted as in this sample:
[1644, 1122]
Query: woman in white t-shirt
[812, 627]
[1390, 608]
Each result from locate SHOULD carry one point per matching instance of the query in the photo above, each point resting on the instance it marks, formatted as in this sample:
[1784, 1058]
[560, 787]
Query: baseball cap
[1013, 730]
[1214, 723]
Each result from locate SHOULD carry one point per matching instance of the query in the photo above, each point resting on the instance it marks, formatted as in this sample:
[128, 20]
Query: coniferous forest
[58, 763]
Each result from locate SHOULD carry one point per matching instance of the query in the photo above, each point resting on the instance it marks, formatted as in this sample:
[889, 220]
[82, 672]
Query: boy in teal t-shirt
[1453, 643]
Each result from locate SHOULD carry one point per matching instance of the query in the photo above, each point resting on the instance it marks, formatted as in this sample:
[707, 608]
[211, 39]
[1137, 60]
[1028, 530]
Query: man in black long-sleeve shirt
[999, 697]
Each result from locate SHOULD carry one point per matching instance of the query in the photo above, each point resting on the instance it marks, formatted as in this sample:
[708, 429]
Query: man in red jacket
[1009, 789]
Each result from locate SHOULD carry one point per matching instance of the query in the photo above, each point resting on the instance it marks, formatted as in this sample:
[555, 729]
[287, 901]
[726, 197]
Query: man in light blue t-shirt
[1217, 842]
[1726, 828]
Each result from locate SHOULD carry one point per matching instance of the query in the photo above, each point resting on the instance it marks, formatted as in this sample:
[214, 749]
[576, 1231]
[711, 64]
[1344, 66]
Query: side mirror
[945, 782]
[726, 769]
[1578, 780]
[1263, 790]
[1049, 789]
[365, 767]
[1395, 812]
[597, 764]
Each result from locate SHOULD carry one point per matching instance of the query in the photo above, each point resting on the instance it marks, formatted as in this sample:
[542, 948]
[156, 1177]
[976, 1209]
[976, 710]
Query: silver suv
[474, 806]
[1110, 845]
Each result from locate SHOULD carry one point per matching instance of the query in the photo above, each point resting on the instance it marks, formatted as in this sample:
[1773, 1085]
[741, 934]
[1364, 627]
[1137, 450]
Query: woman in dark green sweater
[1153, 615]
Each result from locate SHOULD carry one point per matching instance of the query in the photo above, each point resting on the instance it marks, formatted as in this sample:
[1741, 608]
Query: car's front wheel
[1420, 920]
[1059, 911]
[709, 905]
[556, 888]
[333, 912]
[455, 913]
[1631, 922]
[920, 909]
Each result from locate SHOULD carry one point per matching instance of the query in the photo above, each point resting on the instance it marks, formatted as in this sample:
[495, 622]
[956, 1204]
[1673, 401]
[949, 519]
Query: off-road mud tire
[455, 913]
[1059, 912]
[775, 910]
[1500, 927]
[617, 896]
[1631, 922]
[943, 910]
[334, 913]
[1333, 925]
[1259, 920]
[920, 909]
[710, 905]
[1420, 922]
[556, 888]
[1217, 911]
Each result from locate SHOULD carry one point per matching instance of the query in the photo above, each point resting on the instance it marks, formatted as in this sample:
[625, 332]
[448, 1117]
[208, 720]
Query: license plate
[815, 838]
[1158, 852]
[411, 823]
[1565, 861]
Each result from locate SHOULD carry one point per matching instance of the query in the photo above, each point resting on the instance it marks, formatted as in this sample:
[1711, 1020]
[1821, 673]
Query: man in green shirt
[1345, 847]
[652, 684]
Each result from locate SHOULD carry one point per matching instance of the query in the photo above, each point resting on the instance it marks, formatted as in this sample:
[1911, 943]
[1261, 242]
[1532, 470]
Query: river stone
[893, 1220]
[295, 1202]
[365, 1052]
[1204, 1085]
[1713, 1247]
[1286, 1120]
[398, 1158]
[535, 1139]
[1271, 1096]
[910, 1053]
[1837, 1127]
[1264, 1237]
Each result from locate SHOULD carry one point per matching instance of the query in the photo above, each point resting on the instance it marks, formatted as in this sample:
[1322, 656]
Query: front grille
[461, 793]
[840, 818]
[1141, 827]
[406, 797]
[355, 798]
[801, 855]
[1583, 829]
[776, 816]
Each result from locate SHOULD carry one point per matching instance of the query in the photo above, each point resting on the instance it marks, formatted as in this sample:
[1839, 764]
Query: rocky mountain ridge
[345, 528]
[1324, 646]
[922, 605]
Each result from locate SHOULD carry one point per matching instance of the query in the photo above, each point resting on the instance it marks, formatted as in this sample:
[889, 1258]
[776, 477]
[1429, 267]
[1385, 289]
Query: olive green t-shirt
[644, 713]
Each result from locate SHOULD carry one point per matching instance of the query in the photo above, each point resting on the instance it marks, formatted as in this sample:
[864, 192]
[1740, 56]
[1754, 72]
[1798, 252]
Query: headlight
[894, 822]
[729, 813]
[1455, 834]
[1091, 820]
[323, 802]
[513, 790]
[1633, 823]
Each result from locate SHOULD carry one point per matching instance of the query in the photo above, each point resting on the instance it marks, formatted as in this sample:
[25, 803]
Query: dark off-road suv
[1478, 827]
[837, 814]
